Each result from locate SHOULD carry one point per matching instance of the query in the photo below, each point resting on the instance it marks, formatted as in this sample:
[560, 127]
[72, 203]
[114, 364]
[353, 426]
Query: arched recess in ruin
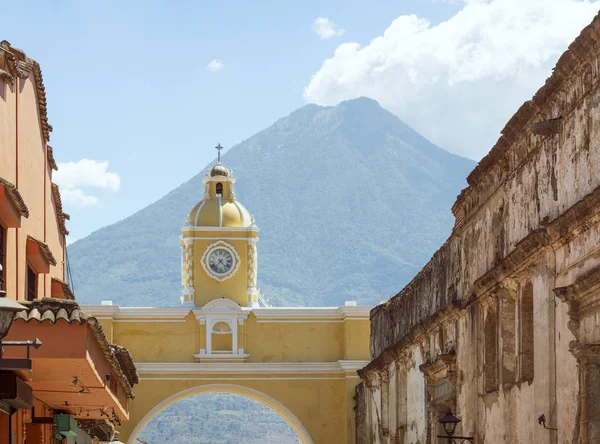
[277, 406]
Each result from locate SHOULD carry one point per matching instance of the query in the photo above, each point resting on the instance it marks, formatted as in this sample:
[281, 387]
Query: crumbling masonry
[503, 324]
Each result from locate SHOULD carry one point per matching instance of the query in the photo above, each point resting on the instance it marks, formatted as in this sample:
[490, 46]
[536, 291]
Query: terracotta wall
[24, 163]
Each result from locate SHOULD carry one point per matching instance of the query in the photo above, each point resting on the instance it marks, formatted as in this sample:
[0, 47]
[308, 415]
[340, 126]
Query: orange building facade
[76, 381]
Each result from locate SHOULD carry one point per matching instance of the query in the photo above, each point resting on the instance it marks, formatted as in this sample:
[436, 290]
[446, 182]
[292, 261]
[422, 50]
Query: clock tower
[218, 245]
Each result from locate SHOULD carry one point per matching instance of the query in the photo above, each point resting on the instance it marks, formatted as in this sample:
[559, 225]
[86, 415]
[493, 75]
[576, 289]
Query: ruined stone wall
[492, 326]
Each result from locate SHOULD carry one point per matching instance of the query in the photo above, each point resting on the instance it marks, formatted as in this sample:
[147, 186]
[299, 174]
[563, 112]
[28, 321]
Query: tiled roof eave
[101, 429]
[5, 76]
[21, 66]
[45, 249]
[16, 197]
[60, 214]
[51, 310]
[51, 160]
[66, 289]
[126, 362]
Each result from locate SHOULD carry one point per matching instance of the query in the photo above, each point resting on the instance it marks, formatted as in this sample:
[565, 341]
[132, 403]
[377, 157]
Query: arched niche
[222, 338]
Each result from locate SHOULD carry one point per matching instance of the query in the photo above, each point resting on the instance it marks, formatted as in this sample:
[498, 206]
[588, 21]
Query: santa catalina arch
[301, 362]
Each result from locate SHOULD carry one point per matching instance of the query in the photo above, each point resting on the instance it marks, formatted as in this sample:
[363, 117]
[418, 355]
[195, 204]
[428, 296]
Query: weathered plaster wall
[527, 229]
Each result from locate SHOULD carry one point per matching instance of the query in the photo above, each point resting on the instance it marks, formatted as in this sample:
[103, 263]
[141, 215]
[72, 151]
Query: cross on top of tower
[219, 148]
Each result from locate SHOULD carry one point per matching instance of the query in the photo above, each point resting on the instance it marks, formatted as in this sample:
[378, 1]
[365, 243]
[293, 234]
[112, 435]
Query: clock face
[220, 261]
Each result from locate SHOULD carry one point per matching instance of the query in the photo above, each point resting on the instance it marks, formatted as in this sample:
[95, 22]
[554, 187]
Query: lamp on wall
[449, 422]
[8, 310]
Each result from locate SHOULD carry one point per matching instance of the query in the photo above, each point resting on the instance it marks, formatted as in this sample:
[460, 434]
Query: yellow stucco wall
[151, 340]
[233, 288]
[319, 405]
[319, 398]
[159, 341]
[295, 341]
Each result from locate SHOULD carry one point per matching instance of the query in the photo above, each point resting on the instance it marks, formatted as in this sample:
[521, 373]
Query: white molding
[187, 298]
[256, 368]
[202, 202]
[148, 320]
[249, 228]
[263, 314]
[106, 311]
[221, 357]
[305, 321]
[296, 312]
[352, 365]
[357, 311]
[220, 210]
[289, 314]
[218, 236]
[143, 313]
[218, 179]
[221, 304]
[149, 312]
[221, 309]
[234, 254]
[242, 212]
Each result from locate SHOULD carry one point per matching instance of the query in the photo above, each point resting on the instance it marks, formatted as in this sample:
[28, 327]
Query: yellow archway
[303, 358]
[277, 406]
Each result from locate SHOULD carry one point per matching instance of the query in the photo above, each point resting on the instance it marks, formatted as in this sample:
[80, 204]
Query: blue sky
[128, 83]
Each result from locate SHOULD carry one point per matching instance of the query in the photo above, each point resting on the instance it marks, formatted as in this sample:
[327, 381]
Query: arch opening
[278, 409]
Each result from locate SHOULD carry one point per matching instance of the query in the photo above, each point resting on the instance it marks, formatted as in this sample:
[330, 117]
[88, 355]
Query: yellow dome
[208, 213]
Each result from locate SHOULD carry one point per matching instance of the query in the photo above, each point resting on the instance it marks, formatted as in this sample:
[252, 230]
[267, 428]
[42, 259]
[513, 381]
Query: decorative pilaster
[252, 272]
[187, 260]
[588, 358]
[441, 382]
[582, 298]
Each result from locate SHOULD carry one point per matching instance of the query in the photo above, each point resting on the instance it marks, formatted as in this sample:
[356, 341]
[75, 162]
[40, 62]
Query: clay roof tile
[62, 314]
[60, 214]
[16, 197]
[34, 314]
[45, 249]
[65, 288]
[48, 316]
[51, 309]
[22, 66]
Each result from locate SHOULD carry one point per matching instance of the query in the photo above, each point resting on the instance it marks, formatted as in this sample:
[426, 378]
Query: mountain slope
[351, 203]
[218, 418]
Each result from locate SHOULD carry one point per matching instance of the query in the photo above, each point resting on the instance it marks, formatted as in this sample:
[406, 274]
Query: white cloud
[78, 198]
[215, 65]
[458, 82]
[71, 177]
[326, 28]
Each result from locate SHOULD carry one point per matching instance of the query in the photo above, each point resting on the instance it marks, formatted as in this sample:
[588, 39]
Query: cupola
[219, 256]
